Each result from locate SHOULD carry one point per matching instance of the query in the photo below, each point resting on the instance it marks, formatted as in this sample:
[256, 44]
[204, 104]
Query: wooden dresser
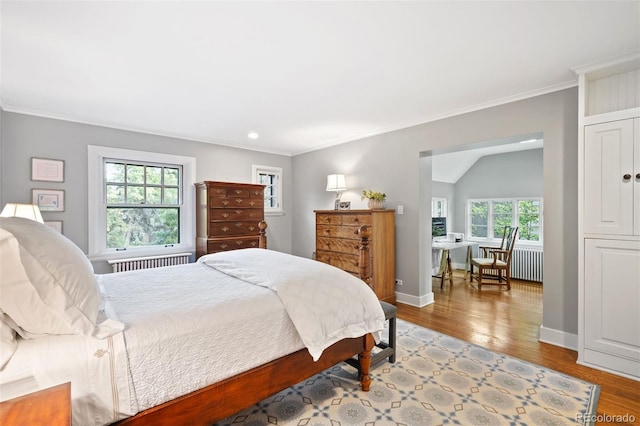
[337, 244]
[227, 216]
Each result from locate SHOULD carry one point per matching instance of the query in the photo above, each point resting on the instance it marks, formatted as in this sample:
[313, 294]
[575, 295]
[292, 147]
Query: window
[140, 203]
[486, 219]
[271, 178]
[438, 207]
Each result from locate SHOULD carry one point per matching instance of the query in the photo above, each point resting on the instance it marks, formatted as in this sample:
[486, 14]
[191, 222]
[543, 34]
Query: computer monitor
[438, 227]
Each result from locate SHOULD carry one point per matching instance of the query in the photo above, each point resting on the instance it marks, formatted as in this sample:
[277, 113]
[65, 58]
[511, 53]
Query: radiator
[526, 263]
[134, 263]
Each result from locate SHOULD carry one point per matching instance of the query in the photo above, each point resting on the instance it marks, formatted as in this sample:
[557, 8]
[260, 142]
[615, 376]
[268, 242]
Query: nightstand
[48, 407]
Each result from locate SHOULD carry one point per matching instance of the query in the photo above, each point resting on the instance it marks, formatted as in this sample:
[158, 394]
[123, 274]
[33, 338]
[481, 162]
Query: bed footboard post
[365, 259]
[365, 362]
[262, 242]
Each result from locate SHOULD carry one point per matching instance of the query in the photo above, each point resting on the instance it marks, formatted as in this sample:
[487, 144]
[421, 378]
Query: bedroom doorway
[484, 187]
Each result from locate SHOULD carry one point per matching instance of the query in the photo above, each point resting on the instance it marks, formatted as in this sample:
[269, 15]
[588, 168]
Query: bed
[183, 344]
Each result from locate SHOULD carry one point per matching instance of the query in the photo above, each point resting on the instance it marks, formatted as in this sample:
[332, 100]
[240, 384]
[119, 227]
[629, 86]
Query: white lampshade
[336, 183]
[29, 211]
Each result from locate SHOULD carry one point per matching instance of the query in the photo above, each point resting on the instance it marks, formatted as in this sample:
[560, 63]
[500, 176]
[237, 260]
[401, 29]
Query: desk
[445, 261]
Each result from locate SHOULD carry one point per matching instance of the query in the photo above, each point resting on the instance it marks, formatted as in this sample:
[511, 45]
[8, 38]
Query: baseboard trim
[417, 301]
[558, 338]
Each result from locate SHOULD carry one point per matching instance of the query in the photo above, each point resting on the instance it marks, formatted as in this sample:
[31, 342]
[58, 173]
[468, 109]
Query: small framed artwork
[47, 170]
[55, 224]
[48, 200]
[344, 205]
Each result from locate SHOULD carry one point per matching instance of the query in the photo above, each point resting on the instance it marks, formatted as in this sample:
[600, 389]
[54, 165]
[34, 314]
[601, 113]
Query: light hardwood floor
[508, 322]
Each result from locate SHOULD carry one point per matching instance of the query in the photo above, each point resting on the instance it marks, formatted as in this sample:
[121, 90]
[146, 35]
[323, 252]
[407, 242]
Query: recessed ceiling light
[253, 135]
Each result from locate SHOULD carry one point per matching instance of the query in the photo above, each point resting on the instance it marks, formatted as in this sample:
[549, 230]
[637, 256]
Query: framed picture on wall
[48, 200]
[47, 170]
[55, 224]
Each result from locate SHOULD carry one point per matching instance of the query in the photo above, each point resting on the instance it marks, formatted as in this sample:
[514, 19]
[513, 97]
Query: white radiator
[134, 263]
[526, 263]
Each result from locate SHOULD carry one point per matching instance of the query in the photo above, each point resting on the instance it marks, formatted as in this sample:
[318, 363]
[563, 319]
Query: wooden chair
[494, 268]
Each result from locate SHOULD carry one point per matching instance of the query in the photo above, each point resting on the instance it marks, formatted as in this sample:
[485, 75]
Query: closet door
[609, 178]
[612, 304]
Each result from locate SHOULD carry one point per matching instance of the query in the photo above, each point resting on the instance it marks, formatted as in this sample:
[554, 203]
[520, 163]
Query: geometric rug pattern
[436, 380]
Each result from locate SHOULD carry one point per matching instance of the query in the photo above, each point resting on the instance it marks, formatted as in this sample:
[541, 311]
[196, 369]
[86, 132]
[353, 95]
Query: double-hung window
[271, 178]
[487, 218]
[140, 203]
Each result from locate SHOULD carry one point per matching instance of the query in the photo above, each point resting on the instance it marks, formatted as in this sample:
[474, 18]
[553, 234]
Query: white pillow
[8, 342]
[47, 283]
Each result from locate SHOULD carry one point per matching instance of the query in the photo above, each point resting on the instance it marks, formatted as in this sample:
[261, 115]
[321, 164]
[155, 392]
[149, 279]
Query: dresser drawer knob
[224, 246]
[225, 229]
[225, 202]
[238, 242]
[225, 215]
[239, 200]
[238, 191]
[238, 224]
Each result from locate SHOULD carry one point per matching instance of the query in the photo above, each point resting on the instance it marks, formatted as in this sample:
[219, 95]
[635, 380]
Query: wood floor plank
[508, 322]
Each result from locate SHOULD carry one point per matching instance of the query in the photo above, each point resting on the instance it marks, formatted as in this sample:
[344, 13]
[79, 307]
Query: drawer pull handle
[238, 211]
[238, 191]
[224, 246]
[238, 200]
[238, 224]
[637, 175]
[251, 228]
[238, 242]
[626, 176]
[225, 202]
[225, 229]
[225, 215]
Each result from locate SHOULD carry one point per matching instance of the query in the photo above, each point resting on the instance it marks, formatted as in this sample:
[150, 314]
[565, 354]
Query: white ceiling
[451, 166]
[304, 75]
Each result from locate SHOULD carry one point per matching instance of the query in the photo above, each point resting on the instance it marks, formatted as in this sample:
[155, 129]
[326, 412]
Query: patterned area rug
[436, 379]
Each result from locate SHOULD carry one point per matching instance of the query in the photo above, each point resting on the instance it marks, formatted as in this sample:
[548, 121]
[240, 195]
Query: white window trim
[98, 209]
[256, 169]
[496, 241]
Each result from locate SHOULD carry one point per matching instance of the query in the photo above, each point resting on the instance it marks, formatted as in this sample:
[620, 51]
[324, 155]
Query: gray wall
[26, 136]
[391, 163]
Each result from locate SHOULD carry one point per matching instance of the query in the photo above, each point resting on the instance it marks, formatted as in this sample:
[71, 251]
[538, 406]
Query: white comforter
[325, 303]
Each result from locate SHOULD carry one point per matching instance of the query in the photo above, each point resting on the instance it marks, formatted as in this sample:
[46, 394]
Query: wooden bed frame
[220, 400]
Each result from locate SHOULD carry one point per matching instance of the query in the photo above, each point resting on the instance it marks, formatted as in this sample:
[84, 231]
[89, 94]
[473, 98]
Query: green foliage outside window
[479, 216]
[503, 213]
[142, 226]
[529, 220]
[142, 204]
[502, 217]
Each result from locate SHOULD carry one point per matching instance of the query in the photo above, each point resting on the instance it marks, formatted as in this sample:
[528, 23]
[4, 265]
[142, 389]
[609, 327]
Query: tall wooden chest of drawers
[227, 216]
[337, 243]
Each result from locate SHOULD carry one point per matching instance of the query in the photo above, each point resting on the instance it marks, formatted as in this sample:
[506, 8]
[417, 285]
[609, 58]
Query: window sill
[276, 213]
[141, 252]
